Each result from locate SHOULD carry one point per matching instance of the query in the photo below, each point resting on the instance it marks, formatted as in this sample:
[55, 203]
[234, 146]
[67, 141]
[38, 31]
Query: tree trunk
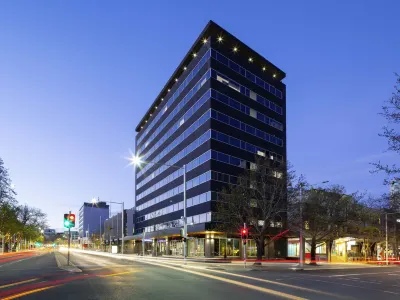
[313, 251]
[329, 249]
[260, 249]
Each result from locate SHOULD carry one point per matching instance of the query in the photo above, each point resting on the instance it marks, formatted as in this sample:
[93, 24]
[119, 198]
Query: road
[35, 275]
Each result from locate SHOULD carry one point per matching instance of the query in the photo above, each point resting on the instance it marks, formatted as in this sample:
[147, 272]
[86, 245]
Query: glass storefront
[195, 247]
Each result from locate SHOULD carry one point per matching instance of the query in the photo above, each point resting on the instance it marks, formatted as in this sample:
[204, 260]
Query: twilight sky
[77, 76]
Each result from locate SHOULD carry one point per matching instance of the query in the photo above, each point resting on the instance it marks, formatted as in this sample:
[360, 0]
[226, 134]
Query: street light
[94, 201]
[301, 261]
[386, 227]
[137, 161]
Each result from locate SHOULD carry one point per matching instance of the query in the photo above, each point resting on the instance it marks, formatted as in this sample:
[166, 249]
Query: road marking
[29, 292]
[234, 282]
[117, 274]
[346, 275]
[259, 279]
[17, 283]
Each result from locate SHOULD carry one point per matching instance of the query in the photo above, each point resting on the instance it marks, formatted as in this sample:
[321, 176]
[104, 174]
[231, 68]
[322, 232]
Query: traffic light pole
[69, 240]
[244, 246]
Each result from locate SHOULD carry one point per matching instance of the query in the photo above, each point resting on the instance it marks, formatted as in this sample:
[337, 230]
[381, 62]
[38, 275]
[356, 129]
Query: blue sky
[77, 76]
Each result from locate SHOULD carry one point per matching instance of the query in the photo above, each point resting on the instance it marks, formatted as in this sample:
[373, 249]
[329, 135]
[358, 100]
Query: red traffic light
[244, 231]
[71, 217]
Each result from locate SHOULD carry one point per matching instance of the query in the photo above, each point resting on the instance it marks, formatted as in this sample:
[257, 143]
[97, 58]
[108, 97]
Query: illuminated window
[253, 95]
[261, 153]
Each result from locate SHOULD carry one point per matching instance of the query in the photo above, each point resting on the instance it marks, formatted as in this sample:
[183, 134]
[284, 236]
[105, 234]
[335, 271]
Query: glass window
[243, 71]
[181, 205]
[203, 198]
[234, 123]
[235, 142]
[272, 89]
[272, 106]
[261, 117]
[176, 207]
[234, 66]
[222, 59]
[260, 134]
[195, 200]
[250, 129]
[250, 148]
[260, 100]
[250, 76]
[196, 219]
[253, 113]
[253, 95]
[260, 82]
[189, 202]
[223, 118]
[223, 138]
[235, 104]
[203, 218]
[189, 184]
[223, 157]
[235, 161]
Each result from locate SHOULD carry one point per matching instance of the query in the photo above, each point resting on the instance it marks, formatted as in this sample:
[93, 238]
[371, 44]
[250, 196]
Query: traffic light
[184, 239]
[66, 221]
[71, 219]
[244, 235]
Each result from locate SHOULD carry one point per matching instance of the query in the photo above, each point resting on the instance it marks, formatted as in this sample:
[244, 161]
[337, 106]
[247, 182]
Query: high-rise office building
[92, 217]
[223, 105]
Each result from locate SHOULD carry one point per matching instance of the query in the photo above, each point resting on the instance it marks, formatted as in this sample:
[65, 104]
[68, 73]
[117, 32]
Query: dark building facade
[222, 106]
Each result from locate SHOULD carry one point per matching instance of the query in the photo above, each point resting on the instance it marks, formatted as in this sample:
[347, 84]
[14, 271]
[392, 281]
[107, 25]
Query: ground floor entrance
[203, 246]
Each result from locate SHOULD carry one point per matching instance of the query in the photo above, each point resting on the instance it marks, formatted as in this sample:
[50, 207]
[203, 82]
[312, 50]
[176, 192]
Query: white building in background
[395, 186]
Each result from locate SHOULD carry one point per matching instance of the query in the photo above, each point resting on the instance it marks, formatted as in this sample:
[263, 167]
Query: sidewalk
[265, 265]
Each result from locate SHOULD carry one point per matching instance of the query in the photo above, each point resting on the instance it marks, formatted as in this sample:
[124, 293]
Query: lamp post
[301, 252]
[135, 160]
[386, 230]
[94, 201]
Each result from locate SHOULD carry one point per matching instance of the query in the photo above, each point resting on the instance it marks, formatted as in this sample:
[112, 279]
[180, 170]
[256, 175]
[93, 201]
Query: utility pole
[386, 250]
[69, 240]
[122, 229]
[301, 262]
[100, 232]
[244, 246]
[184, 215]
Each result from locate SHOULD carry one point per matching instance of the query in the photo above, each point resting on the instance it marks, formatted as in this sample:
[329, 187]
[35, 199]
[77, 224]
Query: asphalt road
[35, 275]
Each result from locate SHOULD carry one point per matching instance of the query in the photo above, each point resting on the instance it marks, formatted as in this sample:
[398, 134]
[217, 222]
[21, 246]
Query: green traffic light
[66, 223]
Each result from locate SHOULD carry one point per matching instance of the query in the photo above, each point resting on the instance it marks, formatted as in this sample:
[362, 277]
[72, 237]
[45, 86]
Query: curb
[62, 263]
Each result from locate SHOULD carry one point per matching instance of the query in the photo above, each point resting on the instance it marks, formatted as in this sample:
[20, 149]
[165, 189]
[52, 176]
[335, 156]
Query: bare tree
[7, 193]
[391, 112]
[258, 199]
